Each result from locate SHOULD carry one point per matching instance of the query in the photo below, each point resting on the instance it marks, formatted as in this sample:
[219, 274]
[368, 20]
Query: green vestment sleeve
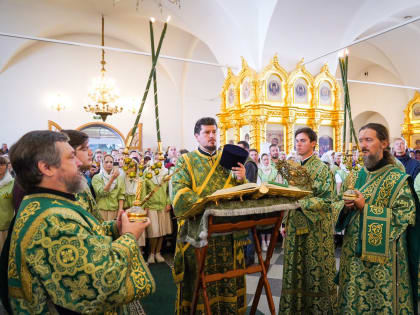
[67, 255]
[323, 192]
[183, 196]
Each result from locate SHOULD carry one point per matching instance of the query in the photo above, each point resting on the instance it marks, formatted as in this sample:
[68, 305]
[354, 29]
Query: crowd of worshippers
[112, 188]
[91, 240]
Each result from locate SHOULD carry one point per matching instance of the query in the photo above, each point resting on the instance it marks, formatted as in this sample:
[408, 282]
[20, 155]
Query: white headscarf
[327, 157]
[7, 178]
[107, 177]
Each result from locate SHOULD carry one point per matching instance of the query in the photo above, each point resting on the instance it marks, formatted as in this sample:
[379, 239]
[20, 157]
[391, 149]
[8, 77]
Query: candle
[152, 39]
[146, 91]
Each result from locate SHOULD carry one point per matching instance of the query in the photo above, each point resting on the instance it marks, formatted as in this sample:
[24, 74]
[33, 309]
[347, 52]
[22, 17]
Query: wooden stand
[262, 265]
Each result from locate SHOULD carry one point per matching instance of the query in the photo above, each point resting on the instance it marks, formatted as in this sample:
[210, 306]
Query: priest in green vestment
[201, 175]
[309, 263]
[379, 257]
[61, 258]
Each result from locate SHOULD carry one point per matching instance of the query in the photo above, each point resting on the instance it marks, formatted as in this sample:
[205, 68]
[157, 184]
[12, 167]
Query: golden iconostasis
[267, 107]
[411, 125]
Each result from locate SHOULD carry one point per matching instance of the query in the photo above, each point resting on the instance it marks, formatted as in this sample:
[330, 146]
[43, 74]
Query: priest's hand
[119, 221]
[358, 203]
[136, 228]
[239, 171]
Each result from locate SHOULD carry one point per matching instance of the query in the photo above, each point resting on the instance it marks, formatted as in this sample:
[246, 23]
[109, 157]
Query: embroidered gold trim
[209, 175]
[187, 161]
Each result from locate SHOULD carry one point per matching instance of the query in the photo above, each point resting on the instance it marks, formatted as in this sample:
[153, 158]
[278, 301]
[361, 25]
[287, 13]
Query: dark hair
[206, 121]
[183, 151]
[108, 155]
[3, 160]
[244, 143]
[416, 151]
[253, 150]
[383, 135]
[309, 132]
[272, 145]
[33, 147]
[77, 138]
[262, 155]
[147, 158]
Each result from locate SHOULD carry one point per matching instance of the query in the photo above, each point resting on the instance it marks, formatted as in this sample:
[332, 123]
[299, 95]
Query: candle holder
[352, 164]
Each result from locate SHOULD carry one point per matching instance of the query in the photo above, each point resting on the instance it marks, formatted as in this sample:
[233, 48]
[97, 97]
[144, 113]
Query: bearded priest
[379, 258]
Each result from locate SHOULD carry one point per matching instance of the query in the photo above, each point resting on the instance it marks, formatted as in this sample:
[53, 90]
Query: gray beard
[371, 160]
[76, 184]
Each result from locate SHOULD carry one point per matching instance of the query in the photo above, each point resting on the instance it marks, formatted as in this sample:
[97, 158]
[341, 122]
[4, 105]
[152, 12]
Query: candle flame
[152, 19]
[168, 19]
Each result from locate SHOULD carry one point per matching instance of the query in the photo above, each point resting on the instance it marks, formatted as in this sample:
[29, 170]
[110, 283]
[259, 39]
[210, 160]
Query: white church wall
[201, 91]
[44, 69]
[386, 101]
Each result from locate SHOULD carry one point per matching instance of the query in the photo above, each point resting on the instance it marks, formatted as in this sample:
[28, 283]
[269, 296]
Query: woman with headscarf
[109, 189]
[158, 209]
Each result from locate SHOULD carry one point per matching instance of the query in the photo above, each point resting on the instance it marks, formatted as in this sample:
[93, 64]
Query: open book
[250, 191]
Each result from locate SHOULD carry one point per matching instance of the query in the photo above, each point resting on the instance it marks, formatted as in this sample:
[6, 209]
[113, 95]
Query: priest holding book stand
[214, 223]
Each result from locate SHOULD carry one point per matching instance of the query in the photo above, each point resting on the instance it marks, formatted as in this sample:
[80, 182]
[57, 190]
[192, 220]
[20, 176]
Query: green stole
[31, 208]
[379, 190]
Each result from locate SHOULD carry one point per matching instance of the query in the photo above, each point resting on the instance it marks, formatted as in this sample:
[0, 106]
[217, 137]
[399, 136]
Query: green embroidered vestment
[60, 254]
[201, 175]
[309, 262]
[374, 273]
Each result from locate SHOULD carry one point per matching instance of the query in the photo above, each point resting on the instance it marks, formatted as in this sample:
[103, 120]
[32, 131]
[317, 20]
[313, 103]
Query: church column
[289, 136]
[222, 134]
[237, 131]
[290, 126]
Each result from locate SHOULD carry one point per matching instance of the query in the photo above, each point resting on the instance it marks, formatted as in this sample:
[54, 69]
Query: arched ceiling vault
[230, 29]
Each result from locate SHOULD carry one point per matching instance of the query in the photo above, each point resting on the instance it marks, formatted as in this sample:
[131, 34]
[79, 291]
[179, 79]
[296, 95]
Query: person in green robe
[61, 258]
[309, 263]
[379, 257]
[6, 203]
[80, 143]
[109, 189]
[200, 175]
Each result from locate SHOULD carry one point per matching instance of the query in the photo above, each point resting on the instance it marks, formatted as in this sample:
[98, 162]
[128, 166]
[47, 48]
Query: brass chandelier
[103, 95]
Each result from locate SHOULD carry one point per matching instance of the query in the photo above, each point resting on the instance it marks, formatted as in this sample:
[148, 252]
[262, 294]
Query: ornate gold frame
[139, 133]
[411, 125]
[261, 110]
[53, 126]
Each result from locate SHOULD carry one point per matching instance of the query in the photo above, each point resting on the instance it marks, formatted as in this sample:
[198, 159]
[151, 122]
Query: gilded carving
[271, 101]
[411, 126]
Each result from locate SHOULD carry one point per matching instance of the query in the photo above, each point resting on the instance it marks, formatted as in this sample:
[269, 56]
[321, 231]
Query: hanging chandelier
[103, 95]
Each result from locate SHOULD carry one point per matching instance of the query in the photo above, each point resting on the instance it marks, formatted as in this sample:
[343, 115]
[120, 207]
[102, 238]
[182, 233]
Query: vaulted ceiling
[217, 31]
[253, 29]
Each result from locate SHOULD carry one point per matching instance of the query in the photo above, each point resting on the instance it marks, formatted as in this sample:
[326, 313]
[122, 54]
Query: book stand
[274, 218]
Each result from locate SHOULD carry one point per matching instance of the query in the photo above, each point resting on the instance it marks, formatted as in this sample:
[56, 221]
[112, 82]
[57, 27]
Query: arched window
[103, 137]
